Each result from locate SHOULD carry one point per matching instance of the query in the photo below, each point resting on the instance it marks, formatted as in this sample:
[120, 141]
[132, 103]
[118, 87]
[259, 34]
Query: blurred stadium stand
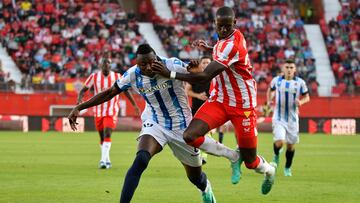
[49, 47]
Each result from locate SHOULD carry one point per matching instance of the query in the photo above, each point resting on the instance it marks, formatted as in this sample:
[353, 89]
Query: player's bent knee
[188, 137]
[142, 159]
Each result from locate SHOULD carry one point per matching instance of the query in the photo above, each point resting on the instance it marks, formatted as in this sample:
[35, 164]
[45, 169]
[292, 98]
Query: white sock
[264, 167]
[213, 147]
[101, 153]
[106, 151]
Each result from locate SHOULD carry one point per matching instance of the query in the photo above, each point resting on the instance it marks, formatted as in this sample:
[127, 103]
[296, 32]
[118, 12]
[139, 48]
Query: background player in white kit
[164, 119]
[291, 92]
[106, 114]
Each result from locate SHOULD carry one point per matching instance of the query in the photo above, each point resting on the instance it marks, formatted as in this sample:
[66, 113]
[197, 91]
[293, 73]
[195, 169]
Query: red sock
[254, 164]
[107, 139]
[196, 143]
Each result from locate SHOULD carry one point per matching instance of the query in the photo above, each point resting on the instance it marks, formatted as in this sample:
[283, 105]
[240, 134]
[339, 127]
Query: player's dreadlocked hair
[144, 49]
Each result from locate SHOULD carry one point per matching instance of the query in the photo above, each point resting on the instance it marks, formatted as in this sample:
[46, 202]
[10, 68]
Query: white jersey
[287, 92]
[166, 101]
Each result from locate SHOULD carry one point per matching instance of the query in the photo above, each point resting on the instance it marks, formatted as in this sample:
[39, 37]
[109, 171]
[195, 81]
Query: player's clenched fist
[72, 118]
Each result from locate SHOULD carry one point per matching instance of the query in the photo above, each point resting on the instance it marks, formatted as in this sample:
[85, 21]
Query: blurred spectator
[274, 32]
[2, 73]
[54, 41]
[342, 41]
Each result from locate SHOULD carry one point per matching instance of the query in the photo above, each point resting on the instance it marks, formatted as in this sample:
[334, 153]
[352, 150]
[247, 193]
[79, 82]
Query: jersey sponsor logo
[246, 122]
[165, 85]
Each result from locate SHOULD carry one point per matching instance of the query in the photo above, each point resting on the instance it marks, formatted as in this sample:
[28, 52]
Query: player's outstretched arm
[213, 69]
[95, 100]
[189, 91]
[81, 94]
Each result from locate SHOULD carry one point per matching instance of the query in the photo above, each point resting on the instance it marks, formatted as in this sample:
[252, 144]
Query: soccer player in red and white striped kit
[234, 98]
[106, 114]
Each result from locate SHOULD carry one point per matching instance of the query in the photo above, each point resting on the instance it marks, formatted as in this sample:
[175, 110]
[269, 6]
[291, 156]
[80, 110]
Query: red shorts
[105, 122]
[215, 114]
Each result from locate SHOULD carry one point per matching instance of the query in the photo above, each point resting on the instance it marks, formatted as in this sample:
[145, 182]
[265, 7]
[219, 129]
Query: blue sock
[133, 175]
[200, 182]
[221, 137]
[289, 158]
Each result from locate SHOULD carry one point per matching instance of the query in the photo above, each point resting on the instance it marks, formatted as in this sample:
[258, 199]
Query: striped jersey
[166, 100]
[101, 83]
[287, 92]
[235, 86]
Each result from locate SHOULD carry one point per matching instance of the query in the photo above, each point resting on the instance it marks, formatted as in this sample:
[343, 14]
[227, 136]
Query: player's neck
[232, 32]
[106, 74]
[289, 77]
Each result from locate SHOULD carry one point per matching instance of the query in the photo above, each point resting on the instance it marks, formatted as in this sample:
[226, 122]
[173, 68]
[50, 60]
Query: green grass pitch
[62, 167]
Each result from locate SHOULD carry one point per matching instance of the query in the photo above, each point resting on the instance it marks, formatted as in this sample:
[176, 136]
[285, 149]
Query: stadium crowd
[52, 42]
[342, 41]
[273, 30]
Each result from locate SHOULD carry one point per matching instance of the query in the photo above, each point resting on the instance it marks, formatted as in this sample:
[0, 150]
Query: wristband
[172, 74]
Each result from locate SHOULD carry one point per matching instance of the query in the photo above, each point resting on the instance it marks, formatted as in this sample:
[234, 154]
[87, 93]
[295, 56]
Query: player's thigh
[110, 122]
[99, 123]
[152, 137]
[292, 134]
[213, 114]
[245, 128]
[279, 131]
[186, 154]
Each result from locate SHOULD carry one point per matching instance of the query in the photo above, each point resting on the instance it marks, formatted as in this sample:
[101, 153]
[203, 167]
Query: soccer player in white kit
[291, 93]
[164, 119]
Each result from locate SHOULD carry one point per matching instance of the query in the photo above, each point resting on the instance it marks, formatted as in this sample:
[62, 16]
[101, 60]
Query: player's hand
[298, 103]
[203, 96]
[72, 118]
[159, 68]
[201, 44]
[194, 64]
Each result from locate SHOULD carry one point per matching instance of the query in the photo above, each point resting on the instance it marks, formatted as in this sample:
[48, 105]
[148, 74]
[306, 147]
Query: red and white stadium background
[335, 115]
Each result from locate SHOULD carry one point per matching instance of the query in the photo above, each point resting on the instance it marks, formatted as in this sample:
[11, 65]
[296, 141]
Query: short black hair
[205, 57]
[144, 49]
[225, 12]
[291, 61]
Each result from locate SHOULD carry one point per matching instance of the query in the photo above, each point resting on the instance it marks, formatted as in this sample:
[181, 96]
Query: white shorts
[285, 131]
[185, 153]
